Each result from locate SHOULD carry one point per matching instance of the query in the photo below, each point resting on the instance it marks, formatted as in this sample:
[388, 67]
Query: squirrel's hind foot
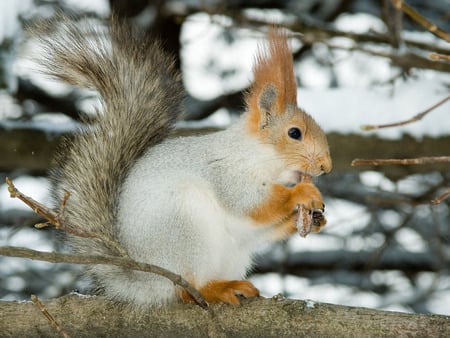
[223, 291]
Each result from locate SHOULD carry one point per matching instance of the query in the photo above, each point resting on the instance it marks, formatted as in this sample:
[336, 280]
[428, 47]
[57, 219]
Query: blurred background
[360, 62]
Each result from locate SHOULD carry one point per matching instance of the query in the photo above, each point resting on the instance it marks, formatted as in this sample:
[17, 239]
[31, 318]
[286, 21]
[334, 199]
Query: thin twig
[439, 57]
[37, 207]
[412, 119]
[404, 60]
[398, 27]
[403, 161]
[417, 17]
[49, 317]
[441, 197]
[124, 262]
[57, 218]
[316, 32]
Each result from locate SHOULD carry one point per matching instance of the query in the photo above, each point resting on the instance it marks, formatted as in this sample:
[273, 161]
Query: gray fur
[266, 103]
[141, 95]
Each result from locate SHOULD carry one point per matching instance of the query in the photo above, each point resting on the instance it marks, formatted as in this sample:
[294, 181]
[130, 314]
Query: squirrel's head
[272, 112]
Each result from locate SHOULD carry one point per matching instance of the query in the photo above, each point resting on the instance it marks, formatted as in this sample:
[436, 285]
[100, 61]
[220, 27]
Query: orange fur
[222, 291]
[282, 202]
[274, 65]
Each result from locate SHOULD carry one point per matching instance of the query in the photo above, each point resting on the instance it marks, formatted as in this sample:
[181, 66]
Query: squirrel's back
[141, 97]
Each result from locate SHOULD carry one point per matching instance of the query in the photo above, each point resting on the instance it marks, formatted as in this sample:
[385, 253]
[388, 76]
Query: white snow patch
[50, 123]
[359, 23]
[410, 240]
[207, 57]
[376, 180]
[9, 16]
[389, 218]
[101, 7]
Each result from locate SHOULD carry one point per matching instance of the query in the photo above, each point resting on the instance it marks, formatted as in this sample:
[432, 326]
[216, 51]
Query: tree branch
[316, 32]
[402, 161]
[276, 317]
[417, 17]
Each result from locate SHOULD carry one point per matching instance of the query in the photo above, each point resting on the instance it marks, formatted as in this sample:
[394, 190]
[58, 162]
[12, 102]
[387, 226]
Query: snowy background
[343, 90]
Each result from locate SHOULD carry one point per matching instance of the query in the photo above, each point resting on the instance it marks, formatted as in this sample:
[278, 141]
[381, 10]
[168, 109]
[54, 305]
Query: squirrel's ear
[266, 104]
[274, 86]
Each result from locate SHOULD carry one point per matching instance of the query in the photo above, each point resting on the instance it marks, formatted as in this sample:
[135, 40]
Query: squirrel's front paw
[307, 195]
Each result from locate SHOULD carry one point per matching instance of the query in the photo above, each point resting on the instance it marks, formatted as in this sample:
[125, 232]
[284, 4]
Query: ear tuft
[274, 86]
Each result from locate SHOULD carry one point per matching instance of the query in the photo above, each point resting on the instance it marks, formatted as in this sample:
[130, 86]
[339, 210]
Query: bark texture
[82, 316]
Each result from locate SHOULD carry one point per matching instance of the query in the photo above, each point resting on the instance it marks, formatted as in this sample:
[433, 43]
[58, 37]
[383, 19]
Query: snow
[50, 123]
[359, 23]
[9, 16]
[345, 110]
[101, 7]
[202, 64]
[376, 180]
[410, 240]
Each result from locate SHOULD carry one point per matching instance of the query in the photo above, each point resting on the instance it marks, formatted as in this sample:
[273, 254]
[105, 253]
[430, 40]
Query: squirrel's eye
[295, 133]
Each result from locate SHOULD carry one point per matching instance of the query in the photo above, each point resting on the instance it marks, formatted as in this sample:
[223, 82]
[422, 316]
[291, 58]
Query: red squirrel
[201, 207]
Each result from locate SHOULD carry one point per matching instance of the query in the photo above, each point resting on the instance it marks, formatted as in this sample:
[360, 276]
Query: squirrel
[199, 206]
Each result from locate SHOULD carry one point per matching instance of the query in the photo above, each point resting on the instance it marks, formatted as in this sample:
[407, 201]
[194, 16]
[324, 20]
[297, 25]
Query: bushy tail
[141, 99]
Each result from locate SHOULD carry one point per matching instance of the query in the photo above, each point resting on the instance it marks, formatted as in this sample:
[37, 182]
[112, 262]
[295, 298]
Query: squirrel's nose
[325, 164]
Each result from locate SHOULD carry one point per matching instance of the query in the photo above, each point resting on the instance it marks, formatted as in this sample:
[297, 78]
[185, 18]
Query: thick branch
[95, 316]
[33, 150]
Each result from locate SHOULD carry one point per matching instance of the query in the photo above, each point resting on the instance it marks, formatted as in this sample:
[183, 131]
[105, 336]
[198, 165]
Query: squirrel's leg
[222, 291]
[282, 201]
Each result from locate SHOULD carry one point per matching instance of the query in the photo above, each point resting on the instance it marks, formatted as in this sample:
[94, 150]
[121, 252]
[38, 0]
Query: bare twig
[417, 17]
[412, 119]
[441, 197]
[57, 219]
[439, 57]
[49, 317]
[403, 161]
[398, 26]
[404, 60]
[37, 207]
[316, 32]
[124, 262]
